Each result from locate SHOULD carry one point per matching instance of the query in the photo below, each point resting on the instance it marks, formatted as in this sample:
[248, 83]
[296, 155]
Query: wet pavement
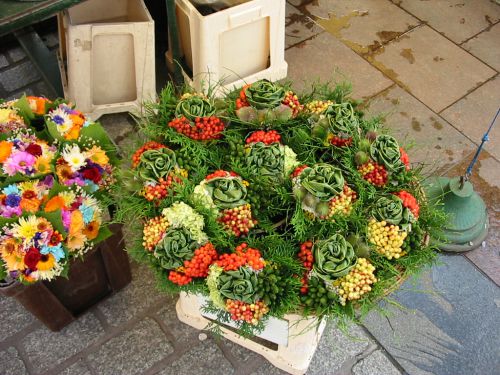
[432, 68]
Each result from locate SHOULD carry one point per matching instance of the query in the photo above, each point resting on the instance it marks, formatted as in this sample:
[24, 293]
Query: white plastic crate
[296, 337]
[108, 56]
[234, 46]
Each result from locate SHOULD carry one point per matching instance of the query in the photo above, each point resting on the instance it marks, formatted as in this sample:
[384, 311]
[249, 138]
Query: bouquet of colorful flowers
[52, 162]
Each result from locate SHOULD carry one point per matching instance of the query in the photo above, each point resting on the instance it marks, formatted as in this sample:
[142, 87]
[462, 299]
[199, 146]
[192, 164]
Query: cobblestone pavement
[432, 67]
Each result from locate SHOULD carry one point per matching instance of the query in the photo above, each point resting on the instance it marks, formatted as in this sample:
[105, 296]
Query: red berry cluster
[374, 173]
[242, 100]
[221, 173]
[151, 145]
[297, 171]
[179, 278]
[248, 312]
[405, 158]
[307, 259]
[292, 101]
[272, 136]
[340, 141]
[242, 256]
[204, 128]
[202, 259]
[238, 220]
[410, 202]
[160, 190]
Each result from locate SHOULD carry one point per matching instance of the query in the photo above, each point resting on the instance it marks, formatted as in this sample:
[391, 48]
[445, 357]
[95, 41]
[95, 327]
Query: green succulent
[194, 106]
[155, 164]
[266, 160]
[323, 181]
[334, 257]
[227, 192]
[385, 150]
[240, 285]
[264, 94]
[342, 118]
[175, 247]
[389, 208]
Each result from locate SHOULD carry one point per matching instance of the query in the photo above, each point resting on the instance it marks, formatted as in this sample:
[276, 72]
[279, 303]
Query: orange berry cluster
[291, 100]
[204, 128]
[248, 312]
[306, 257]
[221, 173]
[202, 259]
[179, 278]
[410, 202]
[374, 173]
[152, 145]
[242, 256]
[297, 171]
[242, 100]
[153, 232]
[272, 136]
[340, 141]
[342, 203]
[238, 220]
[405, 158]
[158, 191]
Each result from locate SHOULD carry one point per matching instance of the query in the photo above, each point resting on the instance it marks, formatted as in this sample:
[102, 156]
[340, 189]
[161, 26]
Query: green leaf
[24, 109]
[104, 233]
[55, 218]
[3, 271]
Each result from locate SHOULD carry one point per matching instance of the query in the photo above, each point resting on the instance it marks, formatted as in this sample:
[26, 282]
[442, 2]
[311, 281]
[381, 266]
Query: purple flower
[66, 218]
[19, 162]
[12, 200]
[48, 181]
[58, 120]
[11, 211]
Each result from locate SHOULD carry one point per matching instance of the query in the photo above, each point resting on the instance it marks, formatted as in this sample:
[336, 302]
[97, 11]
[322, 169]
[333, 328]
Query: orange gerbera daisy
[42, 164]
[75, 241]
[73, 133]
[91, 230]
[13, 258]
[5, 150]
[54, 204]
[30, 205]
[76, 225]
[37, 104]
[46, 262]
[64, 172]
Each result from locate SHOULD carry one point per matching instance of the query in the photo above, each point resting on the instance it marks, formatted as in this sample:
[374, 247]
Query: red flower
[92, 174]
[55, 239]
[34, 149]
[405, 158]
[32, 257]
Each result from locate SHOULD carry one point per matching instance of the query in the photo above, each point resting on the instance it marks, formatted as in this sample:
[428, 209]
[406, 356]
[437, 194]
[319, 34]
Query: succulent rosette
[385, 150]
[334, 257]
[266, 101]
[195, 117]
[24, 197]
[24, 155]
[84, 166]
[175, 247]
[266, 160]
[156, 164]
[233, 282]
[322, 191]
[226, 192]
[32, 249]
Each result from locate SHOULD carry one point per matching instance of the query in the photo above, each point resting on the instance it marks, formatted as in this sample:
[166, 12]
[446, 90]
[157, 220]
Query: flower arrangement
[306, 208]
[56, 171]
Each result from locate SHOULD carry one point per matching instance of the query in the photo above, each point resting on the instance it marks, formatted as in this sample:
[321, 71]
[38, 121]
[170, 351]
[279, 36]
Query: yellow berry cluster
[366, 168]
[153, 232]
[318, 106]
[181, 172]
[387, 238]
[357, 282]
[342, 204]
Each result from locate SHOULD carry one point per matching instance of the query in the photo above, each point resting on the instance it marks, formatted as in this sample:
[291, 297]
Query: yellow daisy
[68, 197]
[42, 164]
[46, 262]
[97, 155]
[28, 185]
[25, 227]
[13, 258]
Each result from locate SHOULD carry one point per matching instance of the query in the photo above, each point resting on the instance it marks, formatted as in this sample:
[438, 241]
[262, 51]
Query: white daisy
[74, 157]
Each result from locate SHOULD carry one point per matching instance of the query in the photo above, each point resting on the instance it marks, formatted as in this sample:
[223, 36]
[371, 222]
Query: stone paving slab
[458, 20]
[486, 181]
[448, 324]
[79, 368]
[481, 46]
[362, 25]
[473, 114]
[414, 123]
[432, 68]
[376, 363]
[298, 26]
[325, 58]
[13, 317]
[10, 363]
